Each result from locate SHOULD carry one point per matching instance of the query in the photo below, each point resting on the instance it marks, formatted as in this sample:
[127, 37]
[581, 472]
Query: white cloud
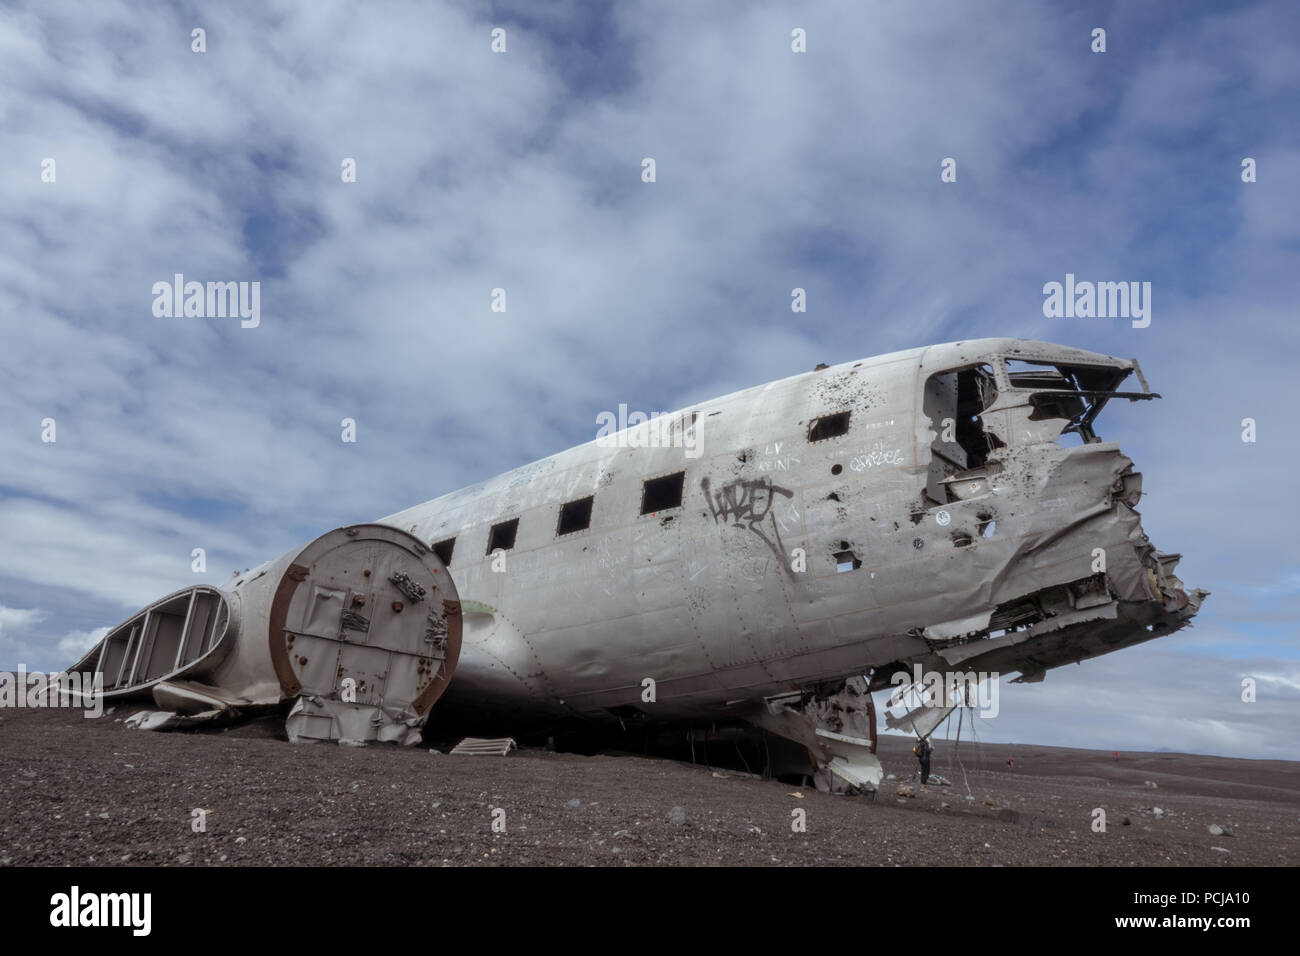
[1291, 680]
[76, 643]
[18, 620]
[19, 634]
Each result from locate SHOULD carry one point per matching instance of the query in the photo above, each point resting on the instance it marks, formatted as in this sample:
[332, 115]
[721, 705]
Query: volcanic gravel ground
[78, 791]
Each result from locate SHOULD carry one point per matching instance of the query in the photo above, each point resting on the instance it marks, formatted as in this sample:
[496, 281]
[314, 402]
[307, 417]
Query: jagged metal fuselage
[946, 525]
[796, 542]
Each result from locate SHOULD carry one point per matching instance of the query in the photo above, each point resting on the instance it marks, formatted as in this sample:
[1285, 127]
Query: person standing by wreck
[923, 751]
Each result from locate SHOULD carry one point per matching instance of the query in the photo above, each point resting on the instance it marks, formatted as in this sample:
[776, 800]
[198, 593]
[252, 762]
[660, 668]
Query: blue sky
[522, 171]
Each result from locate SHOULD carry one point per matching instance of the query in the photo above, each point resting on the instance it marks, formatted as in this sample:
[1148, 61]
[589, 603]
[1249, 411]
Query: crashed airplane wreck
[787, 551]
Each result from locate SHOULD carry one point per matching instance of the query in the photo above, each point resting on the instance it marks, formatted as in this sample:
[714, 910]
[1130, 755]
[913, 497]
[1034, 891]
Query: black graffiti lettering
[747, 503]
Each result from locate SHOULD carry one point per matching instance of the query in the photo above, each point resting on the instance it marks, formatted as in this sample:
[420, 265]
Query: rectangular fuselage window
[829, 426]
[660, 494]
[575, 516]
[443, 550]
[502, 536]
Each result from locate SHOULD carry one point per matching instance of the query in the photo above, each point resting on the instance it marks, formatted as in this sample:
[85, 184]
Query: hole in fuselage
[846, 561]
[829, 426]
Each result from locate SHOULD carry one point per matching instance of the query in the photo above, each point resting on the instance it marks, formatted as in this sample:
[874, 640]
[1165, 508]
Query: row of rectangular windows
[657, 494]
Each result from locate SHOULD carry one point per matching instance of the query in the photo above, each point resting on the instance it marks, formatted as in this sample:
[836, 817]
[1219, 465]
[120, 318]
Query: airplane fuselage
[807, 545]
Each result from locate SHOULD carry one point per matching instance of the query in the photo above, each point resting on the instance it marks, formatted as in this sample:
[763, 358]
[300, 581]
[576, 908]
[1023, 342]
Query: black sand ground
[77, 791]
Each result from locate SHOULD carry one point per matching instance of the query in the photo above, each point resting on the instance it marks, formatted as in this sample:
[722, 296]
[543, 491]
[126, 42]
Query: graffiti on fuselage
[747, 503]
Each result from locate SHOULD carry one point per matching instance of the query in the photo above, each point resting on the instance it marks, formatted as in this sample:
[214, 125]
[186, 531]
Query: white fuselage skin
[705, 599]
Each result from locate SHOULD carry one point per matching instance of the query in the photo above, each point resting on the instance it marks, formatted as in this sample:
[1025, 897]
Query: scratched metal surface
[702, 598]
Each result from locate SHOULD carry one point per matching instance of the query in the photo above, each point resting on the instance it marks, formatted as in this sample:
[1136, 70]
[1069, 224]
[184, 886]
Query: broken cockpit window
[954, 402]
[1073, 394]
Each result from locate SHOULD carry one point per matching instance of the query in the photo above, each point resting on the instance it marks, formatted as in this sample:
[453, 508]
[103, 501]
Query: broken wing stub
[838, 728]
